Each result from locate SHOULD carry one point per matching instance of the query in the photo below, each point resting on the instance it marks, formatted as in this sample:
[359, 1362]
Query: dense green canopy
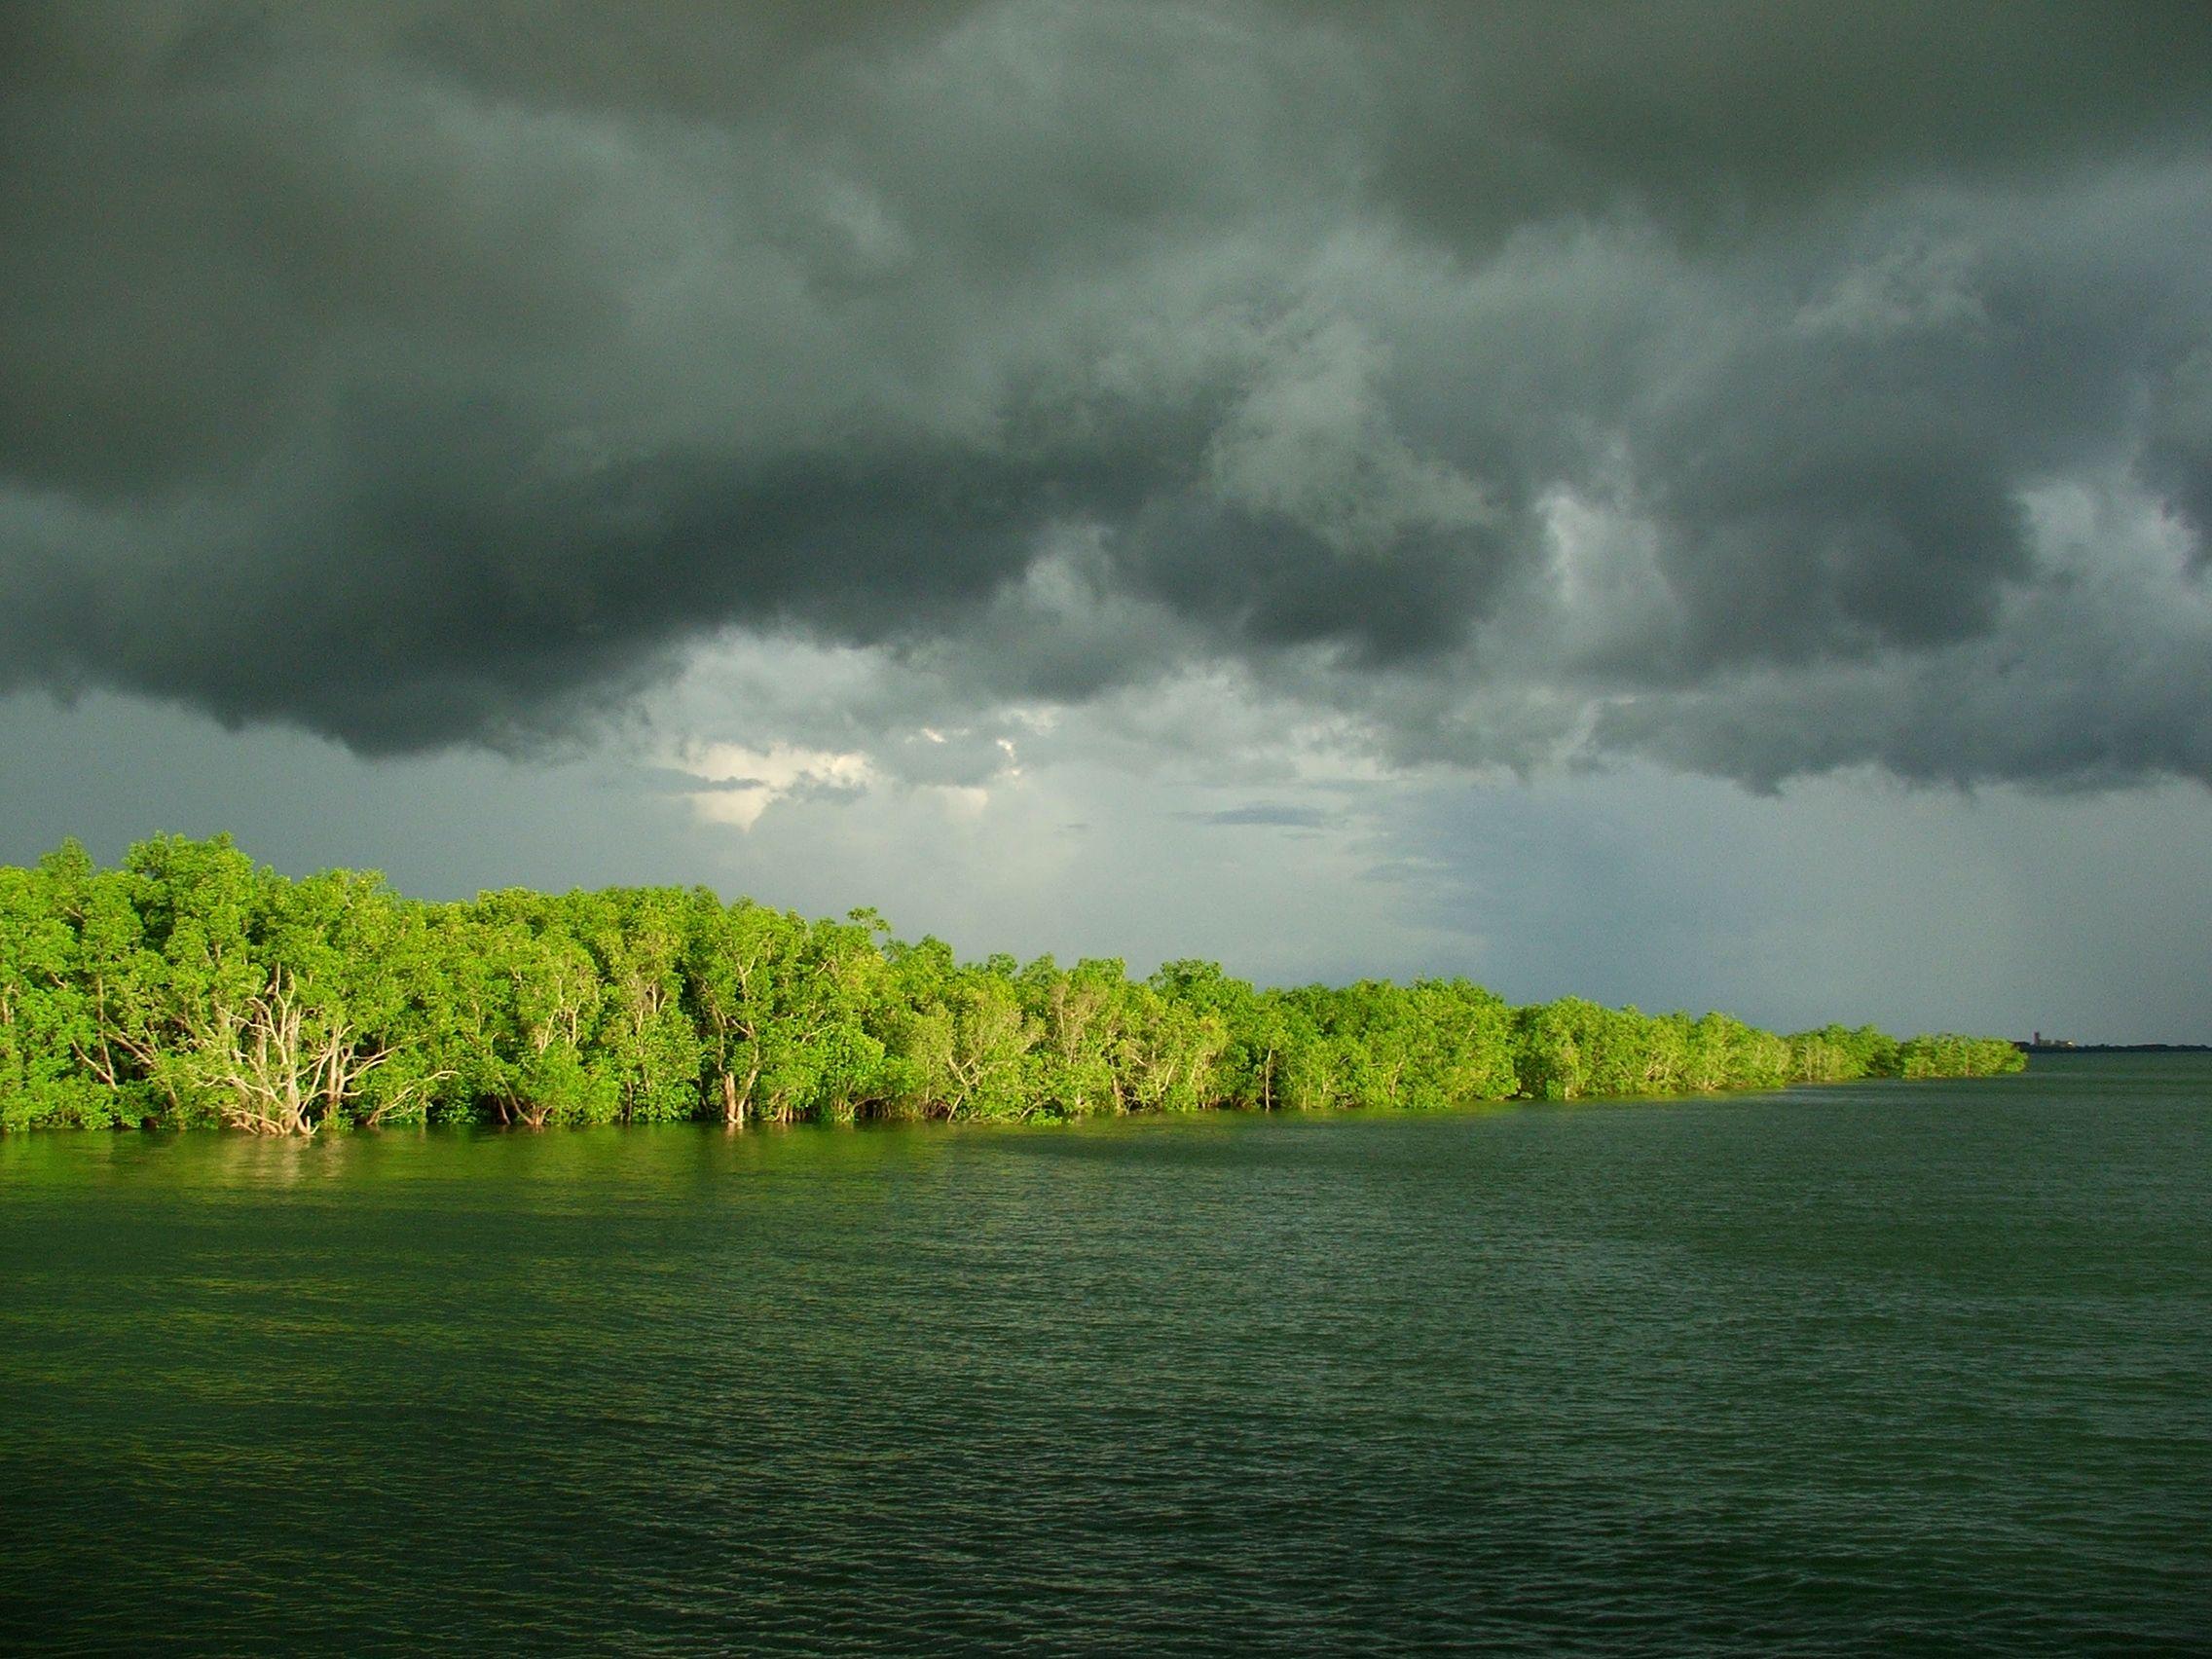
[190, 987]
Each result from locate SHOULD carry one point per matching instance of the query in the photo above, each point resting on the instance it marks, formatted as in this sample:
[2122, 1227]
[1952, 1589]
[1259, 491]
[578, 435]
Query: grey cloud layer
[1507, 382]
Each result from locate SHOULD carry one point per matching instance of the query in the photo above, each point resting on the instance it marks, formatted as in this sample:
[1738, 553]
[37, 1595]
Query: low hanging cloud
[1762, 392]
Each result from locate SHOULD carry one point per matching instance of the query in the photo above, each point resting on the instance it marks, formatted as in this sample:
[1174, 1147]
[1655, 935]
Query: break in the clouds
[1759, 391]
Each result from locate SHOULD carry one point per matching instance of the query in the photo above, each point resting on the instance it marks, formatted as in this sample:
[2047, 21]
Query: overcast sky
[1695, 504]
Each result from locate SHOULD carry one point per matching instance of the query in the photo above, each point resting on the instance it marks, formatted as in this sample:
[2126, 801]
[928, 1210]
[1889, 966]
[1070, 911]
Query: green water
[1910, 1365]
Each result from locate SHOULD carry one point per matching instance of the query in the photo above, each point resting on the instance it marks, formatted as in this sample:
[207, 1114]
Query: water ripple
[1915, 1367]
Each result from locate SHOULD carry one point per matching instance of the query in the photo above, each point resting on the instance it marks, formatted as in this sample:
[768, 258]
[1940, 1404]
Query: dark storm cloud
[2178, 452]
[1705, 113]
[1266, 815]
[1680, 379]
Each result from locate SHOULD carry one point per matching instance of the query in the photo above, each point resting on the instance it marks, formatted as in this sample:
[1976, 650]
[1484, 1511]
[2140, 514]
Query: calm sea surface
[1916, 1366]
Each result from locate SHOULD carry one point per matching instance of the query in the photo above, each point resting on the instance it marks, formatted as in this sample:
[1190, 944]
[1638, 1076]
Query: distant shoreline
[2114, 1048]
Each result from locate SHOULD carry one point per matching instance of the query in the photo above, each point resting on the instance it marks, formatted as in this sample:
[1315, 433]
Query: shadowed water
[1903, 1364]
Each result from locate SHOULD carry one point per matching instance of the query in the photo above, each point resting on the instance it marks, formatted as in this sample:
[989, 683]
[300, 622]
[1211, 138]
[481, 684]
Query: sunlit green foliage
[190, 987]
[1946, 1055]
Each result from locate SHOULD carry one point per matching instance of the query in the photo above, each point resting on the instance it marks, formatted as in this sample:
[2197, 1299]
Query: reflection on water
[1900, 1364]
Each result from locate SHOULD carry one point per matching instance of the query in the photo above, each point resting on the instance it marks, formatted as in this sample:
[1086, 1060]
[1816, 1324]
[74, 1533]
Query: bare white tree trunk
[283, 1067]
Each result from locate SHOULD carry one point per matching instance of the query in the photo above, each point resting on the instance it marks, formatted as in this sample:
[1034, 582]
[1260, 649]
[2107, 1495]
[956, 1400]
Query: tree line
[190, 987]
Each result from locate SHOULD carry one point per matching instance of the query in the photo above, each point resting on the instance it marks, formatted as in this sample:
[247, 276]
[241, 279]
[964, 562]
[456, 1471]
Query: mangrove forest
[191, 987]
